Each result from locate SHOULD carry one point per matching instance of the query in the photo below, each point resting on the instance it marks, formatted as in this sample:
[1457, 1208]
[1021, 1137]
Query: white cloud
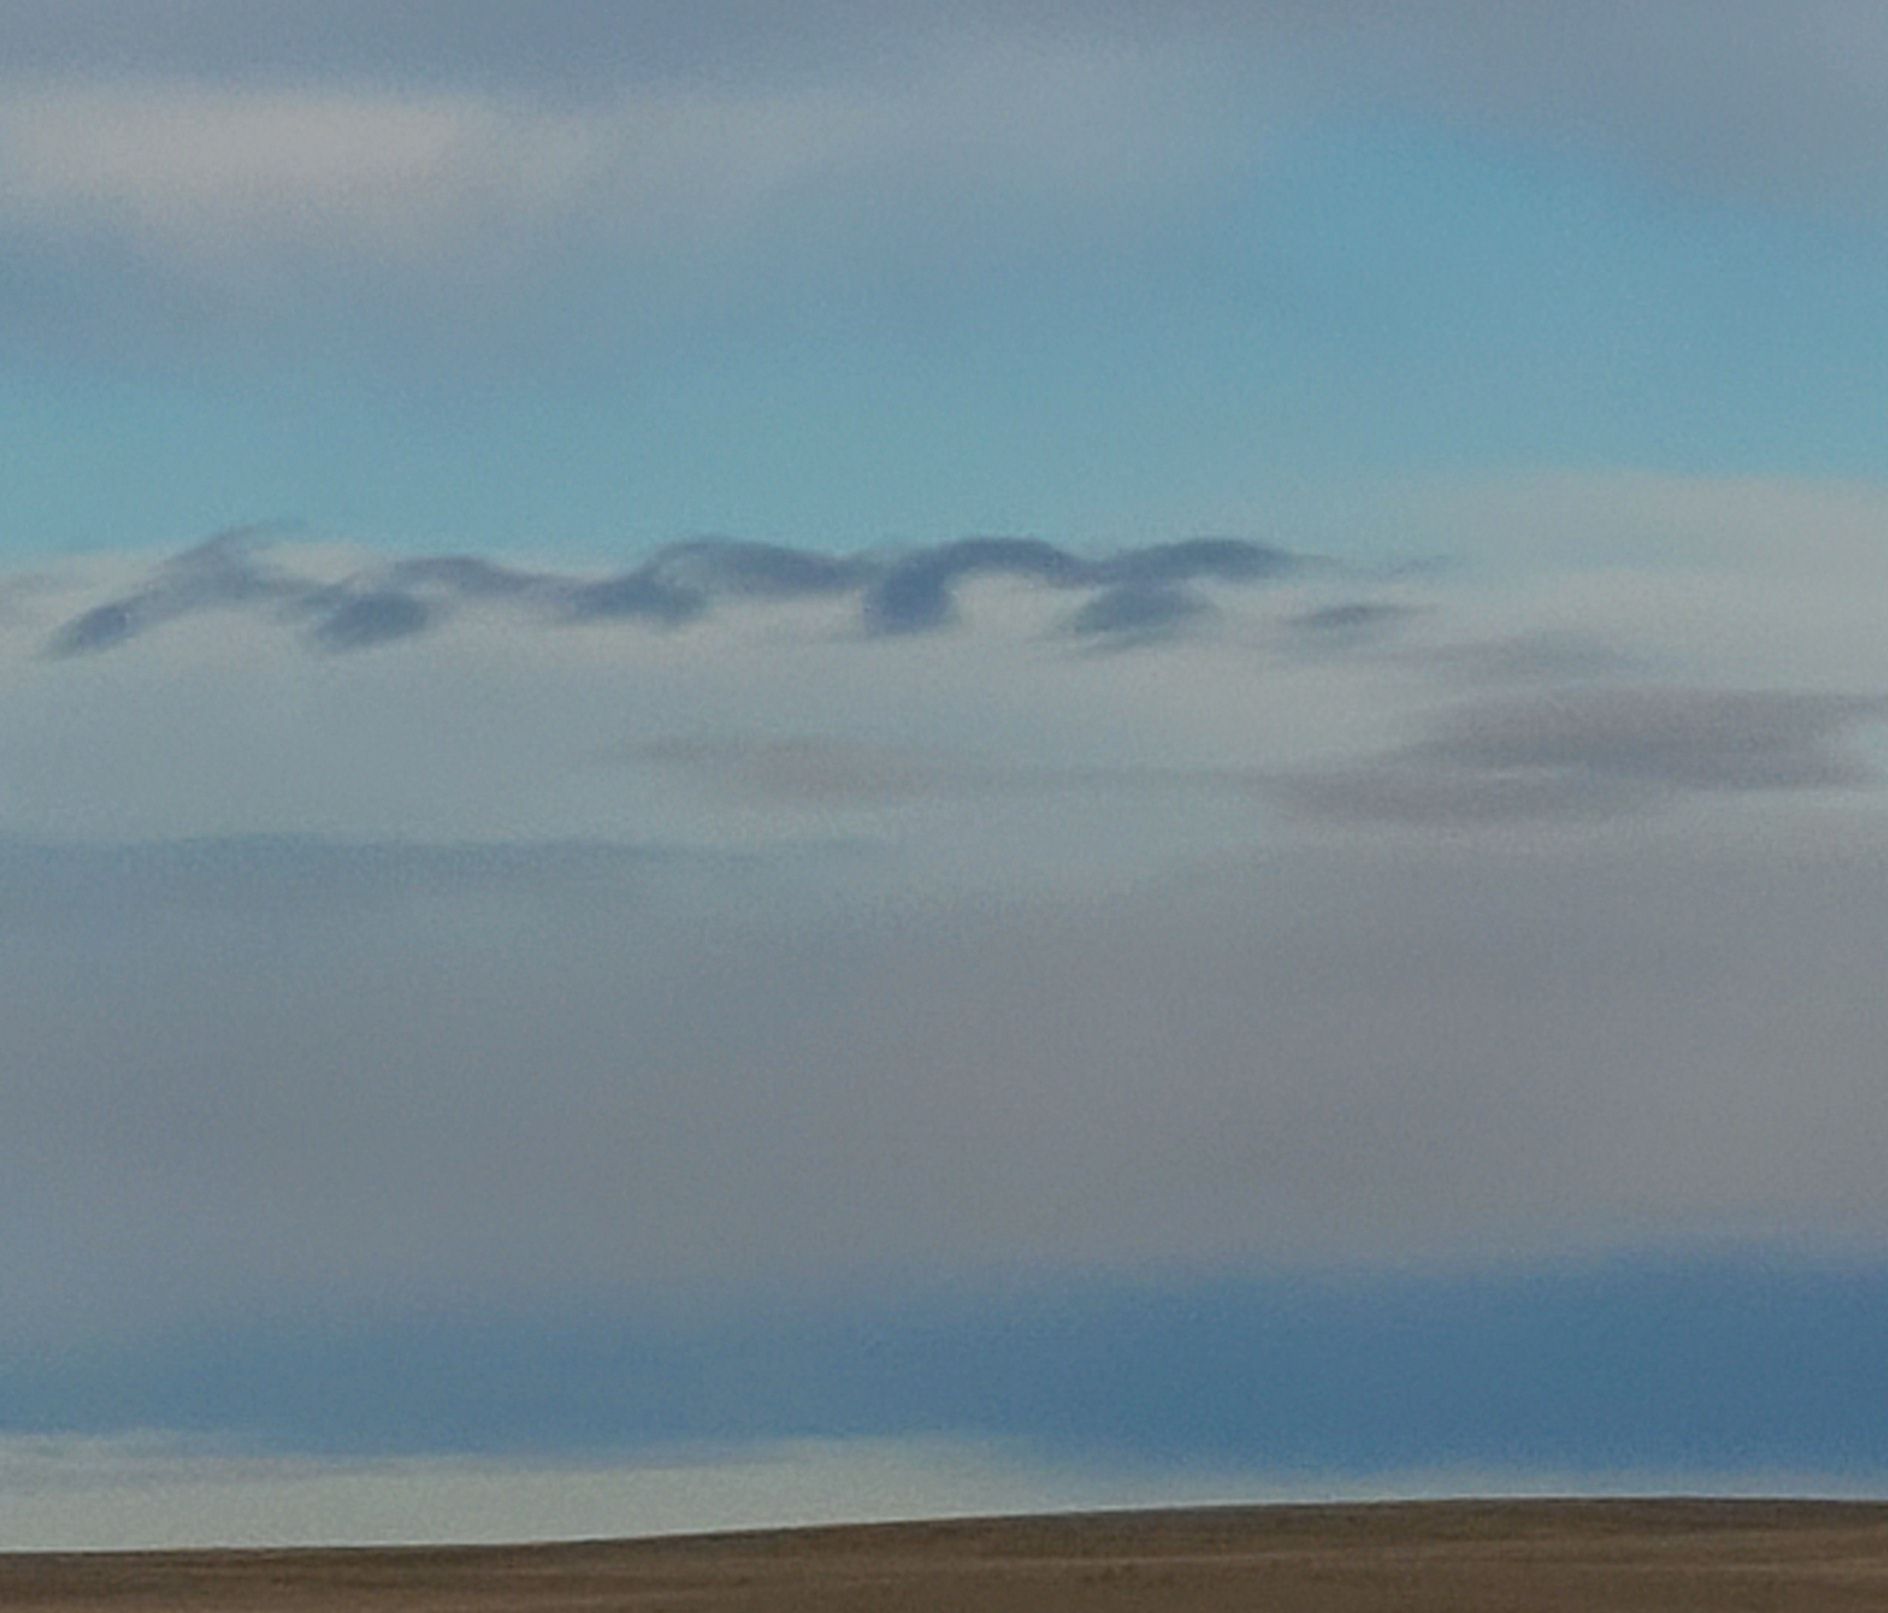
[1773, 526]
[254, 186]
[459, 180]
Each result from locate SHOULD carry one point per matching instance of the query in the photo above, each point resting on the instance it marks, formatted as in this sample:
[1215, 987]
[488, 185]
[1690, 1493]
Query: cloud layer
[451, 167]
[791, 916]
[240, 171]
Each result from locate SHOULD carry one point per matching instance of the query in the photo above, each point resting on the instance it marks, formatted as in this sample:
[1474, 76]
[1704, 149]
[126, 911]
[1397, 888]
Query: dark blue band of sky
[1732, 1367]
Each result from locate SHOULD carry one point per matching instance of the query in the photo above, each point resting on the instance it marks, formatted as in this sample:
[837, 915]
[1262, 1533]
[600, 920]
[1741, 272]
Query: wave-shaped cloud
[1133, 593]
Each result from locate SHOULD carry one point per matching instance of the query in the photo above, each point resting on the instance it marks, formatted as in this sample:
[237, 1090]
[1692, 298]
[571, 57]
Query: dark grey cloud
[227, 570]
[733, 568]
[1135, 613]
[683, 580]
[1593, 753]
[468, 576]
[101, 627]
[912, 592]
[1403, 789]
[359, 620]
[1144, 595]
[1685, 739]
[918, 593]
[1356, 619]
[1529, 658]
[634, 596]
[1196, 560]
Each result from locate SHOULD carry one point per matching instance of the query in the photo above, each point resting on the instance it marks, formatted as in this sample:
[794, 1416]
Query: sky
[764, 764]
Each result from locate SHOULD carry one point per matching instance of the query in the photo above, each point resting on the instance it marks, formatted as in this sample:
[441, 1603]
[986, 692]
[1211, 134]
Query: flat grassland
[1618, 1556]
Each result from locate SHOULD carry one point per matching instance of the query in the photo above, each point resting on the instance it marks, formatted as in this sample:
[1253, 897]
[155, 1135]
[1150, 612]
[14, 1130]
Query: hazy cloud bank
[1385, 918]
[818, 1074]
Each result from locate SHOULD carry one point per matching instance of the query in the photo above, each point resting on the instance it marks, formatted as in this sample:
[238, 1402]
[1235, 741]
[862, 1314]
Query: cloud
[1197, 560]
[695, 929]
[916, 594]
[454, 108]
[358, 621]
[822, 770]
[100, 627]
[1144, 595]
[1684, 739]
[1803, 528]
[1597, 753]
[1130, 613]
[681, 582]
[816, 770]
[469, 576]
[730, 568]
[1545, 656]
[224, 571]
[242, 181]
[910, 593]
[1353, 619]
[229, 1104]
[448, 187]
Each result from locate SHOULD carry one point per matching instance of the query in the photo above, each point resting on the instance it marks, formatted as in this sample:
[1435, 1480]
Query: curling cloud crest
[898, 594]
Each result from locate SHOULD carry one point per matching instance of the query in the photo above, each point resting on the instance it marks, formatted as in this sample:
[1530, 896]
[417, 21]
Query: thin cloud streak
[1591, 754]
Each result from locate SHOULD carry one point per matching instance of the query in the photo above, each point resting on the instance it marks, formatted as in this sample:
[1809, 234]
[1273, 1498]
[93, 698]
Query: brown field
[1449, 1557]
